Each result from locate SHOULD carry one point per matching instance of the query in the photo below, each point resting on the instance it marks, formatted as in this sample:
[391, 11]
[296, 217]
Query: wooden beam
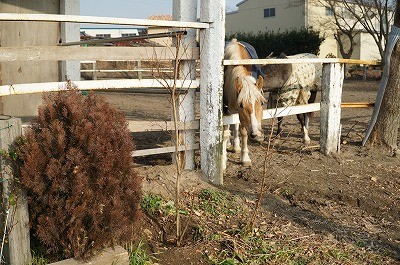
[151, 126]
[164, 150]
[332, 83]
[186, 10]
[14, 215]
[94, 85]
[131, 38]
[59, 53]
[290, 61]
[212, 42]
[278, 112]
[100, 20]
[358, 105]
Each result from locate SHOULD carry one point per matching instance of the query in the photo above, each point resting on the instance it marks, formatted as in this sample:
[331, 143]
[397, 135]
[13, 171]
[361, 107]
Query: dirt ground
[350, 201]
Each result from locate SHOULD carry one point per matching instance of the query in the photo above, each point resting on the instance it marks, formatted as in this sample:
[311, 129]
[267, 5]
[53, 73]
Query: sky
[139, 9]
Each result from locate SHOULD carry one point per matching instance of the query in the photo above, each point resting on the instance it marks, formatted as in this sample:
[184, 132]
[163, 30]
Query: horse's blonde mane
[249, 91]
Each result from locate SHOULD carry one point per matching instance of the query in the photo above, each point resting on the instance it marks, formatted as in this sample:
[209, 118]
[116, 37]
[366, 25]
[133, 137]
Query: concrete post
[212, 42]
[332, 83]
[186, 10]
[70, 32]
[15, 212]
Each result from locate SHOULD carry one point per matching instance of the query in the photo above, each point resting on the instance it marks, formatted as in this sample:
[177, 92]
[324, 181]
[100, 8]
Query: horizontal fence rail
[95, 85]
[123, 39]
[277, 112]
[164, 150]
[59, 53]
[143, 126]
[290, 61]
[100, 20]
[150, 126]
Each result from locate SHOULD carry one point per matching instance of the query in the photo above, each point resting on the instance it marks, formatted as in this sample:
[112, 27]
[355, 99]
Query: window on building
[328, 11]
[128, 34]
[103, 36]
[269, 12]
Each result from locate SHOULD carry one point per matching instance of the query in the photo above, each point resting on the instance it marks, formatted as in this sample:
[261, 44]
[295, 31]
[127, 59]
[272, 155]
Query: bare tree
[346, 27]
[373, 15]
[385, 130]
[350, 17]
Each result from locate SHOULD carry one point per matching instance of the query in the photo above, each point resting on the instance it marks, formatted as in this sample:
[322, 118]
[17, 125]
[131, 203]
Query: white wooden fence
[210, 53]
[211, 120]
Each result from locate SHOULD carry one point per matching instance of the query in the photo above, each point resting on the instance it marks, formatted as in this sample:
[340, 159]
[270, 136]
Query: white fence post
[70, 32]
[212, 43]
[332, 82]
[17, 248]
[186, 10]
[139, 67]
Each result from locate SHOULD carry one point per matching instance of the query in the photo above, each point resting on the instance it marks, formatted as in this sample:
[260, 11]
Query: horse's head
[249, 104]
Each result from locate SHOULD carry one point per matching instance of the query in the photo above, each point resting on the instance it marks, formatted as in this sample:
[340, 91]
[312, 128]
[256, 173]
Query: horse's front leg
[225, 140]
[244, 156]
[236, 140]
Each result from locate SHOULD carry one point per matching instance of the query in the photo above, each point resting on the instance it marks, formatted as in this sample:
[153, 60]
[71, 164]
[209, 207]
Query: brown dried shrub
[76, 165]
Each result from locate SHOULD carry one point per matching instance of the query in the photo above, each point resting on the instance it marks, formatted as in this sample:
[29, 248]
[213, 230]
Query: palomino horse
[293, 84]
[242, 95]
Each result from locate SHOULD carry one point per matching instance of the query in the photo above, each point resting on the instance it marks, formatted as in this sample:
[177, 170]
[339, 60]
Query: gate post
[17, 250]
[186, 10]
[332, 82]
[212, 41]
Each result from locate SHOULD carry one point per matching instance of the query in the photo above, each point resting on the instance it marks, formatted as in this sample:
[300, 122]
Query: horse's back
[305, 76]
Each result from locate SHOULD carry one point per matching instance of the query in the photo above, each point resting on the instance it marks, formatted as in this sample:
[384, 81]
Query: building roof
[241, 2]
[232, 12]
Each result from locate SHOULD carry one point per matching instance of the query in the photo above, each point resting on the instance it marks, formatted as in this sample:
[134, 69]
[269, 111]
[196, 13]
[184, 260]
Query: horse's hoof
[237, 151]
[307, 141]
[246, 163]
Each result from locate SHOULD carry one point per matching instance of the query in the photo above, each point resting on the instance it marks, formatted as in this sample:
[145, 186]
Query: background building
[110, 32]
[280, 15]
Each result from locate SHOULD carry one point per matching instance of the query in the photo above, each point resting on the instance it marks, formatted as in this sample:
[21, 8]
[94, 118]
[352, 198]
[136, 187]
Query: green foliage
[38, 260]
[216, 202]
[138, 256]
[155, 205]
[76, 166]
[338, 254]
[11, 155]
[151, 203]
[288, 42]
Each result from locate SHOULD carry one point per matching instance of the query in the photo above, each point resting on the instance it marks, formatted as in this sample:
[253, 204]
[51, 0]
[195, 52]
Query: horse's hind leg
[307, 117]
[304, 120]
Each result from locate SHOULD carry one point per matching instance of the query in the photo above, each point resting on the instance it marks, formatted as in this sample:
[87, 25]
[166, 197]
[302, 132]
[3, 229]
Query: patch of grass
[361, 244]
[216, 203]
[338, 255]
[197, 233]
[155, 205]
[38, 258]
[138, 256]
